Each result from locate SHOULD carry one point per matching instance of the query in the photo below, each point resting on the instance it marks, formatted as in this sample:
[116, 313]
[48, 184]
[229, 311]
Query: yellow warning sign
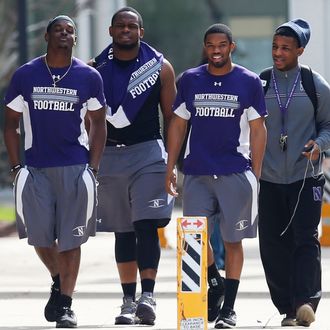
[192, 273]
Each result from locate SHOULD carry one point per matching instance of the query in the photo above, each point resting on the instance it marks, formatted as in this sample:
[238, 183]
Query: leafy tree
[176, 28]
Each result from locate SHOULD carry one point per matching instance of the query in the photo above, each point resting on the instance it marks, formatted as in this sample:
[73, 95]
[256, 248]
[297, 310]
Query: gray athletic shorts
[233, 196]
[132, 186]
[56, 203]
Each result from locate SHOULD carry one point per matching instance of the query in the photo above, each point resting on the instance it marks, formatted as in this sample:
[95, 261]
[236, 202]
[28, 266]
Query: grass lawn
[7, 214]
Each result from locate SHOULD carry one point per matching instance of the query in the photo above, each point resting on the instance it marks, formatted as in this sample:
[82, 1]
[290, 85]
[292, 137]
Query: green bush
[7, 214]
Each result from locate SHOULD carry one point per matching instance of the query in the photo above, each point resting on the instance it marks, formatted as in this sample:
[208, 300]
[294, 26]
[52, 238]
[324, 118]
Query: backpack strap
[265, 78]
[307, 81]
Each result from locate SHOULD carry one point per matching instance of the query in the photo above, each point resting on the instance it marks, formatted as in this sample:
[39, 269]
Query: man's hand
[311, 150]
[171, 180]
[14, 170]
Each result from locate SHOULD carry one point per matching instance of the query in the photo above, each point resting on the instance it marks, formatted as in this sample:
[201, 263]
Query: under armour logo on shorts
[317, 193]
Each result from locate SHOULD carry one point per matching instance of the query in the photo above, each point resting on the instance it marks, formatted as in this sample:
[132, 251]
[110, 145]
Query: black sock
[214, 278]
[147, 285]
[65, 301]
[56, 281]
[129, 289]
[230, 293]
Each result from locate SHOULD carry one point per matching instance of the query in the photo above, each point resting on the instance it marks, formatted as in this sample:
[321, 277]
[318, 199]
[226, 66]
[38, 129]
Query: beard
[126, 46]
[218, 65]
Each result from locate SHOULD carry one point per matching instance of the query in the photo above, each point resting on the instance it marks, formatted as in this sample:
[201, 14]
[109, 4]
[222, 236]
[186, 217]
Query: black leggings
[141, 245]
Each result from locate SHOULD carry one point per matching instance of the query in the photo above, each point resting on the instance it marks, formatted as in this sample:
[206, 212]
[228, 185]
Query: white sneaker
[305, 315]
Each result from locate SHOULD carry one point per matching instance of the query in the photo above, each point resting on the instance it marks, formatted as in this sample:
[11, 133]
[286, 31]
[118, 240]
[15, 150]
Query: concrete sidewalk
[24, 288]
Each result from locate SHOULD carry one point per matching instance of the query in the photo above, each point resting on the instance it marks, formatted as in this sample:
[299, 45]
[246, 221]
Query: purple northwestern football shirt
[219, 108]
[53, 117]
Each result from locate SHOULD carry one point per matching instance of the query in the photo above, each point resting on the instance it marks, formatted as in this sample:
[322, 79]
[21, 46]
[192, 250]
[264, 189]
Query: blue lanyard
[284, 108]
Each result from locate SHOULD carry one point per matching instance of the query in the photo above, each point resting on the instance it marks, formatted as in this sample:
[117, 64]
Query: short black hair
[287, 32]
[219, 28]
[127, 9]
[61, 18]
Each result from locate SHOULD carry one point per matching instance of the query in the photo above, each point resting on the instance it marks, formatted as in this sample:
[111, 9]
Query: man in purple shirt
[55, 192]
[223, 156]
[133, 203]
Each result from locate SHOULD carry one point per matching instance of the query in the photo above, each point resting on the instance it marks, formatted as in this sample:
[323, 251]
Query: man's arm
[97, 136]
[258, 139]
[167, 94]
[176, 134]
[11, 135]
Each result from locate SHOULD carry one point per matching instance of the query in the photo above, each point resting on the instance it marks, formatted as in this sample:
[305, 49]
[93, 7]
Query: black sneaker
[146, 310]
[226, 319]
[127, 313]
[50, 311]
[214, 301]
[66, 318]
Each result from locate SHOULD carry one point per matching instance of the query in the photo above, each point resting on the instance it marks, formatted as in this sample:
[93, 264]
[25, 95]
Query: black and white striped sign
[191, 263]
[326, 192]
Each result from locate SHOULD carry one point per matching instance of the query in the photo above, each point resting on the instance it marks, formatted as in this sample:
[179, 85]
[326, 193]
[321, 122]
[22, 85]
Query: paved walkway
[24, 287]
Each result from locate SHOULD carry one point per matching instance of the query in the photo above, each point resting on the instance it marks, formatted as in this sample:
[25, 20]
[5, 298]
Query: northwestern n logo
[241, 225]
[156, 203]
[79, 231]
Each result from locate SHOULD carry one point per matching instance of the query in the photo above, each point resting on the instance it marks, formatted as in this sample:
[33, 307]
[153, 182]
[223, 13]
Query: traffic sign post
[192, 273]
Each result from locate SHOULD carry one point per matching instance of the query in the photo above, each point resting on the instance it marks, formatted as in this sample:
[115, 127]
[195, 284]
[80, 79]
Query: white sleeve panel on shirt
[252, 114]
[27, 128]
[244, 137]
[182, 111]
[93, 104]
[17, 104]
[83, 137]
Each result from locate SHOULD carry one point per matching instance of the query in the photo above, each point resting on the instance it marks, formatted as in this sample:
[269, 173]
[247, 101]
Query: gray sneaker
[127, 313]
[66, 318]
[146, 310]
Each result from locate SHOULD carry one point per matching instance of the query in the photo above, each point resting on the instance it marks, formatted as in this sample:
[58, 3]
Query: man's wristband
[15, 168]
[94, 170]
